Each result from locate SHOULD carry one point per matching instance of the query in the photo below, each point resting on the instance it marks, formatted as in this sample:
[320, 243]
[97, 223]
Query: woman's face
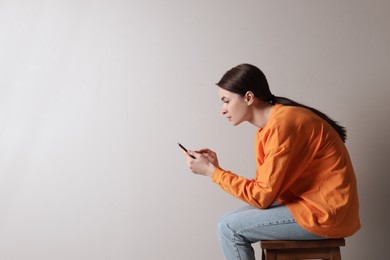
[234, 106]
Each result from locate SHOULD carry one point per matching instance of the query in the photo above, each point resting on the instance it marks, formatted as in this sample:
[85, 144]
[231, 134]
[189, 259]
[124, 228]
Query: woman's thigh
[274, 223]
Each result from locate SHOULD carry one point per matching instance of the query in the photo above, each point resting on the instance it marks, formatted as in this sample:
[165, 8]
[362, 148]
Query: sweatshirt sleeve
[259, 192]
[280, 161]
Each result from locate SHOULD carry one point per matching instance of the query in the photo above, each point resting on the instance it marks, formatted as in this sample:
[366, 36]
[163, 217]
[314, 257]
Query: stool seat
[302, 249]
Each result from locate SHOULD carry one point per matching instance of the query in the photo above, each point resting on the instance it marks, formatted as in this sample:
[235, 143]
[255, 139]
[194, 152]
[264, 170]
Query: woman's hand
[205, 163]
[210, 155]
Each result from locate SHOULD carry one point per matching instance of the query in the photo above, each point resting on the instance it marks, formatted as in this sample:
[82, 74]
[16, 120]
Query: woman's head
[244, 78]
[247, 80]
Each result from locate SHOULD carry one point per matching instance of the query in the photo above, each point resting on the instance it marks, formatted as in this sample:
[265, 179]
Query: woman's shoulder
[292, 119]
[284, 125]
[288, 110]
[292, 114]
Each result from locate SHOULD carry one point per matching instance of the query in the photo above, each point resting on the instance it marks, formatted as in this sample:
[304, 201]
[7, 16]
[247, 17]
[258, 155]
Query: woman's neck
[261, 114]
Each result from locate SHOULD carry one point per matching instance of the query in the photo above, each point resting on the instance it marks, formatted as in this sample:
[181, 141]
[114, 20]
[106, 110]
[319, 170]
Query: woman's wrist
[210, 170]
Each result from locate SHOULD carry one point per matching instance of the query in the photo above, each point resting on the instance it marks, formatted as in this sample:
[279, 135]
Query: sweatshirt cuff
[216, 177]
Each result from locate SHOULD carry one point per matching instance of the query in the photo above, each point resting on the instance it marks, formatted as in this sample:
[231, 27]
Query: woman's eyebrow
[224, 98]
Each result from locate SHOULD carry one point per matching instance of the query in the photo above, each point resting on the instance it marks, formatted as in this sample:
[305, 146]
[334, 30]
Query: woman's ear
[249, 97]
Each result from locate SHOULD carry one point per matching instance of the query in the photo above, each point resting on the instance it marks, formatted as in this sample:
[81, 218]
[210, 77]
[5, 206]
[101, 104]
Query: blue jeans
[237, 230]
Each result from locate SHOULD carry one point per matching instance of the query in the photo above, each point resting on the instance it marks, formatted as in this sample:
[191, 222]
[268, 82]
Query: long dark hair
[247, 77]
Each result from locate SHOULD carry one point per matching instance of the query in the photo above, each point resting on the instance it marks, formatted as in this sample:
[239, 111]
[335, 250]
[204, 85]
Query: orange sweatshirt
[303, 163]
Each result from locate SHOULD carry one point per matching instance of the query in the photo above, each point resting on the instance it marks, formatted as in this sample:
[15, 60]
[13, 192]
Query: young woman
[305, 186]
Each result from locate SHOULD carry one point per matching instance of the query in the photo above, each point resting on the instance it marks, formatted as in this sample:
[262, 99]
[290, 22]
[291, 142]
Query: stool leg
[335, 252]
[269, 255]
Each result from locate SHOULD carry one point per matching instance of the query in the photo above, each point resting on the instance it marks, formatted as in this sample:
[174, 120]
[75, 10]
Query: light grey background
[94, 96]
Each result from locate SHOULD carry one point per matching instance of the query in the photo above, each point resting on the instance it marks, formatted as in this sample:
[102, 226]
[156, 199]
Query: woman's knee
[230, 223]
[223, 227]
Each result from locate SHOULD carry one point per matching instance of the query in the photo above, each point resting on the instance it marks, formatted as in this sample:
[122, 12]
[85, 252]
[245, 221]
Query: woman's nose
[223, 110]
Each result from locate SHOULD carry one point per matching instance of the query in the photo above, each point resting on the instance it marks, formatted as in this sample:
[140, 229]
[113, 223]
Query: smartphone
[182, 147]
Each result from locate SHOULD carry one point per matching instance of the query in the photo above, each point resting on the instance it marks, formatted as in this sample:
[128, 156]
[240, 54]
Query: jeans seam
[276, 223]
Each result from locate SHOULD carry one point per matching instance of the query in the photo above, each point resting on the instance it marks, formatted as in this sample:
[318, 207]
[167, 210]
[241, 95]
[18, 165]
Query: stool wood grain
[301, 249]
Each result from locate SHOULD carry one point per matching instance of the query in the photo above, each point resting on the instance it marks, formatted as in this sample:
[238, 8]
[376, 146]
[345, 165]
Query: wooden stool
[302, 249]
